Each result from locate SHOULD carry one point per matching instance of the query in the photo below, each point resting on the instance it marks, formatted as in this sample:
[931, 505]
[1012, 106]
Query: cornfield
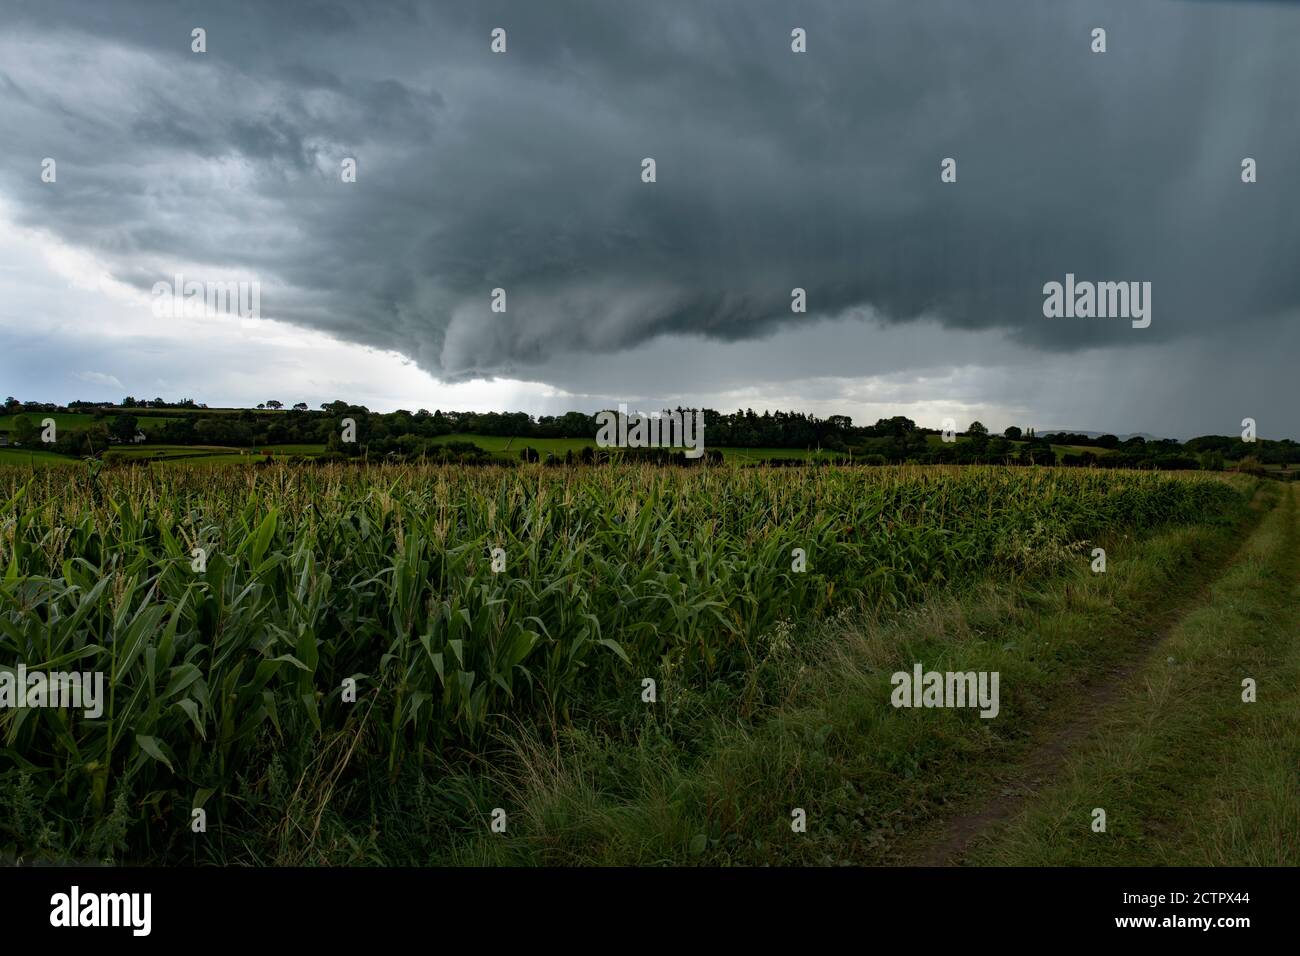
[227, 608]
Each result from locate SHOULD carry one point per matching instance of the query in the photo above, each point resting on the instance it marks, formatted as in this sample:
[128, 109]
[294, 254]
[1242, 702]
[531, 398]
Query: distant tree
[898, 426]
[262, 405]
[129, 402]
[123, 428]
[274, 403]
[25, 433]
[976, 429]
[1013, 433]
[999, 449]
[76, 441]
[1037, 455]
[159, 403]
[180, 431]
[300, 407]
[12, 403]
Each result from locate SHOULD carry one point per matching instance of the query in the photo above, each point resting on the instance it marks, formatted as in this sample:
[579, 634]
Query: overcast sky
[774, 170]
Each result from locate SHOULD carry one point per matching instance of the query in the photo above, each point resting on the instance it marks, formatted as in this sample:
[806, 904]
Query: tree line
[413, 435]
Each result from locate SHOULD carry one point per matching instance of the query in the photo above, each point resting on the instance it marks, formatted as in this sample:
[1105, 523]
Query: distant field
[498, 445]
[509, 447]
[1078, 450]
[293, 449]
[502, 446]
[1059, 450]
[760, 454]
[168, 451]
[23, 456]
[164, 412]
[222, 452]
[148, 425]
[221, 459]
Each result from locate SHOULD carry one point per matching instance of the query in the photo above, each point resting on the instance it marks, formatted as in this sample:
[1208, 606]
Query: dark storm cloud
[775, 170]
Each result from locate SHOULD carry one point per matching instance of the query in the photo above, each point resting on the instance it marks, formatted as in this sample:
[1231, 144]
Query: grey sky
[775, 170]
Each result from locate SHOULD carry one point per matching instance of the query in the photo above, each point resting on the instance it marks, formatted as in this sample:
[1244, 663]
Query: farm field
[509, 447]
[170, 455]
[221, 458]
[25, 456]
[1058, 449]
[148, 424]
[167, 451]
[497, 445]
[292, 449]
[506, 448]
[363, 664]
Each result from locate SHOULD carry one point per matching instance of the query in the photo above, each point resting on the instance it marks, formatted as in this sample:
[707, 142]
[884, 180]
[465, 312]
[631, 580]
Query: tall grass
[385, 576]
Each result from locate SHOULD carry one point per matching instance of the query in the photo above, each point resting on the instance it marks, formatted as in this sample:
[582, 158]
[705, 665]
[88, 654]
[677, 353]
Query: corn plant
[384, 576]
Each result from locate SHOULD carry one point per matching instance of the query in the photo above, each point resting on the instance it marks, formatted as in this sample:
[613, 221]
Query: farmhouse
[4, 439]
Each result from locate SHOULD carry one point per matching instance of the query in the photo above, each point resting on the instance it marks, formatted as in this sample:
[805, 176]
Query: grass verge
[1187, 771]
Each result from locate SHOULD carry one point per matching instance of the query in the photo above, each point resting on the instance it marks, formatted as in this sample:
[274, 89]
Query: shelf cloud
[774, 170]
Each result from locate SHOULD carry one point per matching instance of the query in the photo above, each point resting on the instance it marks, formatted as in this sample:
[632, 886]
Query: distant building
[4, 439]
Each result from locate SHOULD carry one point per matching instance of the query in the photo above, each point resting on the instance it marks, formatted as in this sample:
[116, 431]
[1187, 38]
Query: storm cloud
[775, 170]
